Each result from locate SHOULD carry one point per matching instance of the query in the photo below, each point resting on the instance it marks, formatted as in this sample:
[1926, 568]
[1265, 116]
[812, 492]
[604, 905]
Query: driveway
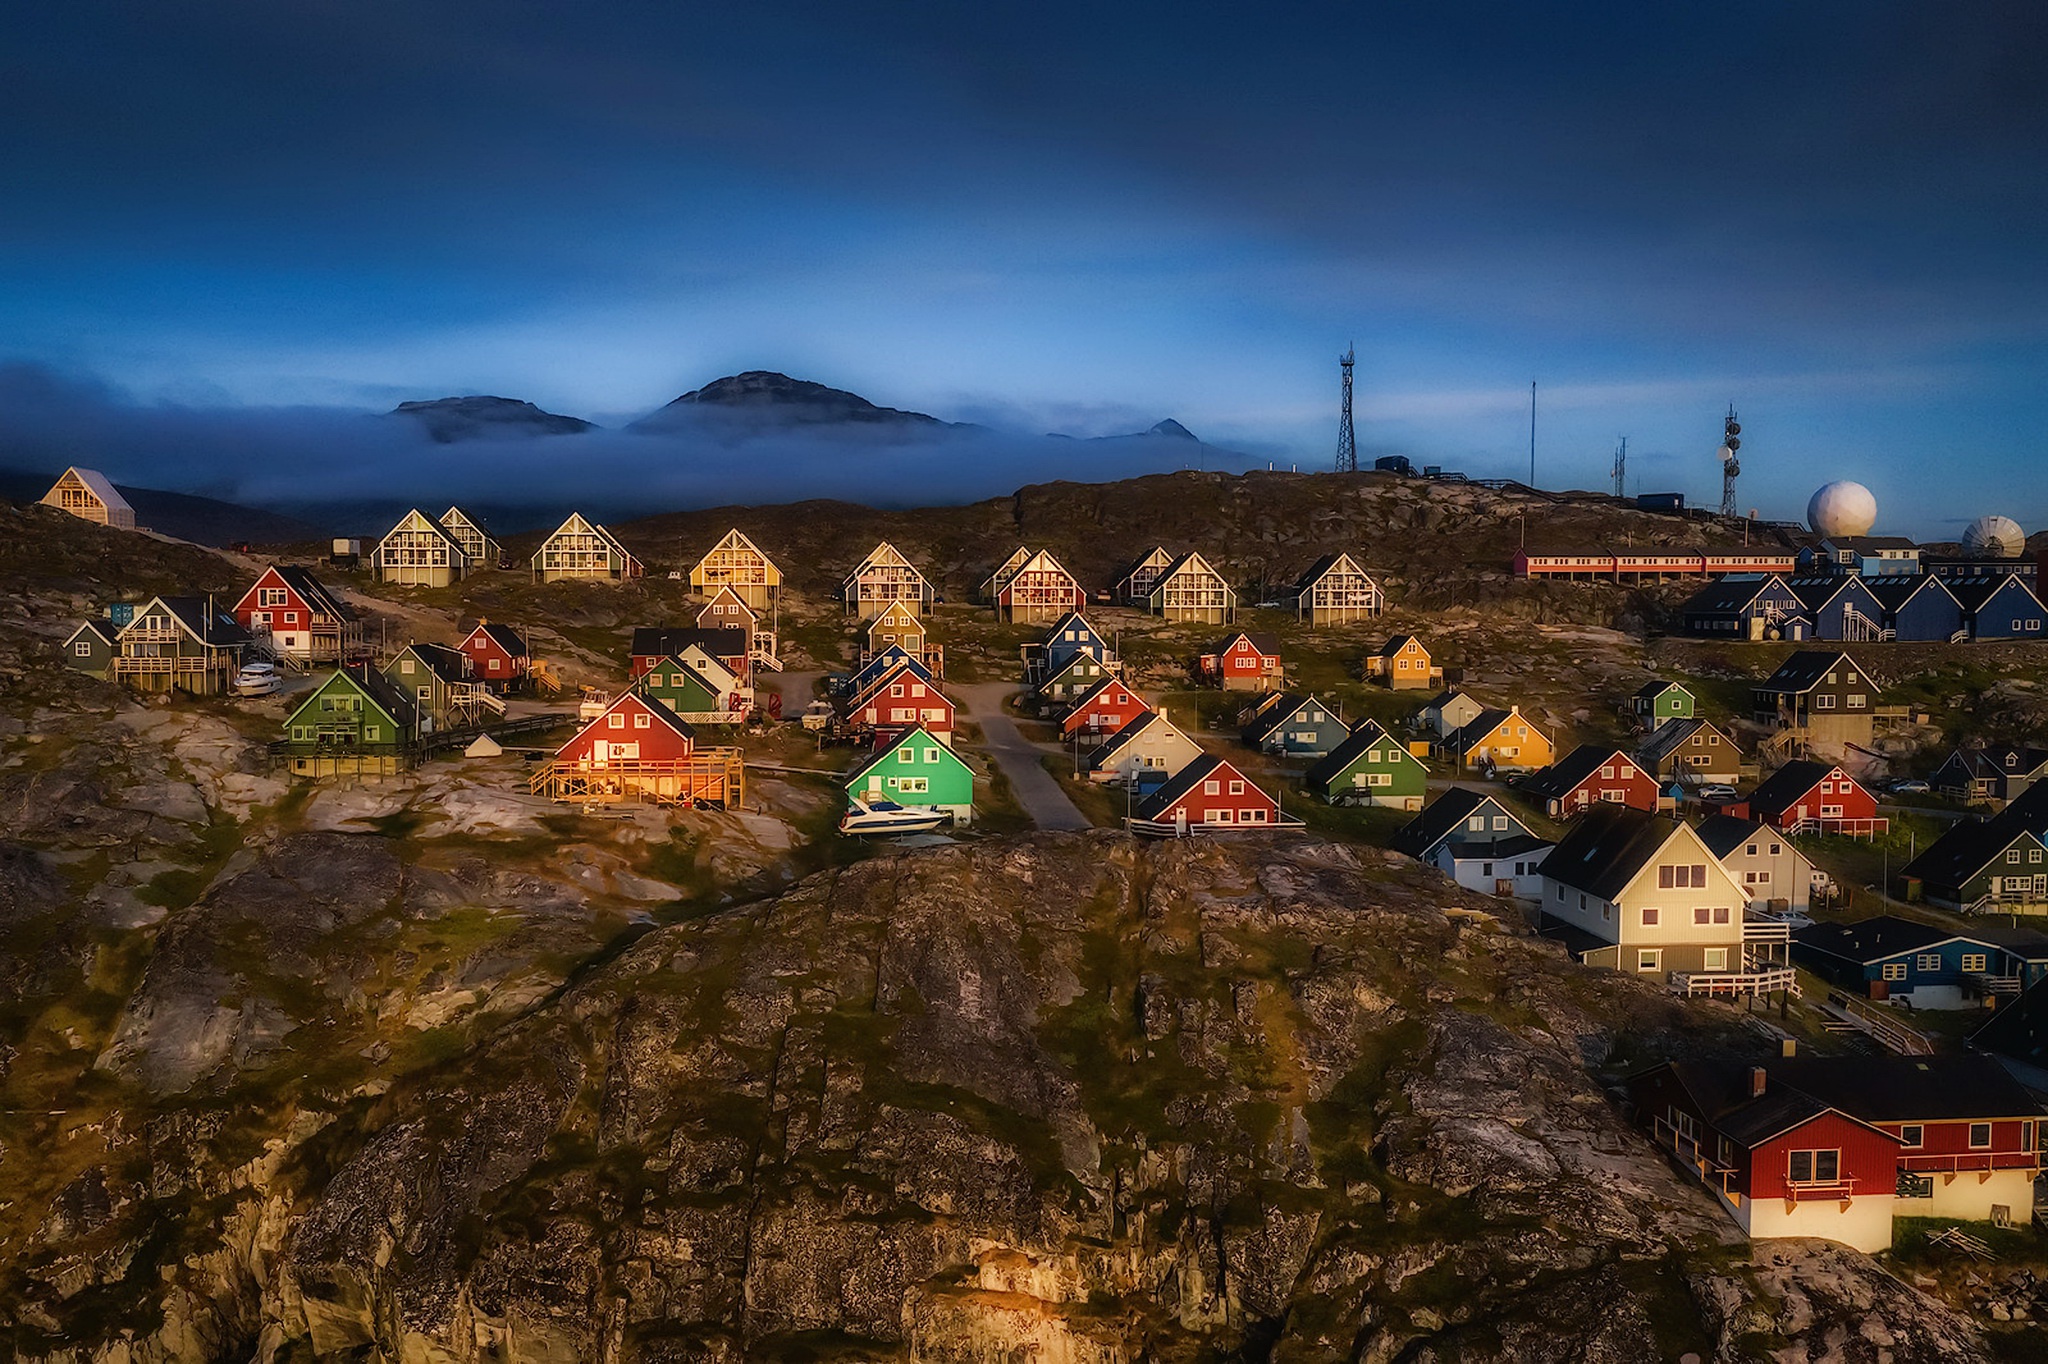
[1022, 761]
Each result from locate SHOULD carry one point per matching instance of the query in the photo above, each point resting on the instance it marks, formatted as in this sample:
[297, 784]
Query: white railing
[1763, 981]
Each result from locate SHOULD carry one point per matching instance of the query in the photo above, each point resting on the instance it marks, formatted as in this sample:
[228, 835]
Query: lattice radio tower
[1731, 441]
[1347, 444]
[1621, 468]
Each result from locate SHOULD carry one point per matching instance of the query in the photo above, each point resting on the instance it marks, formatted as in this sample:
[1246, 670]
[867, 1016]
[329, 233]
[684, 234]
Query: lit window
[1895, 970]
[1974, 961]
[615, 721]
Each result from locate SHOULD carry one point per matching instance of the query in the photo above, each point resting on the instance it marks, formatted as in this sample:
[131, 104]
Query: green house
[355, 723]
[691, 692]
[91, 648]
[1659, 703]
[1371, 767]
[433, 677]
[918, 770]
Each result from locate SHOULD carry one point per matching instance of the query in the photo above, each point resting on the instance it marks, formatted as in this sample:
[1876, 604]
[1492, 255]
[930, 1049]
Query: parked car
[256, 679]
[1716, 791]
[1910, 788]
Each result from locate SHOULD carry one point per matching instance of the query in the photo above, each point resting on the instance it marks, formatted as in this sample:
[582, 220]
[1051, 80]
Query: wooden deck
[710, 777]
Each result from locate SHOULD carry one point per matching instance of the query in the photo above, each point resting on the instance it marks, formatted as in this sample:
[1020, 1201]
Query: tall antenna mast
[1347, 444]
[1731, 441]
[1532, 433]
[1621, 468]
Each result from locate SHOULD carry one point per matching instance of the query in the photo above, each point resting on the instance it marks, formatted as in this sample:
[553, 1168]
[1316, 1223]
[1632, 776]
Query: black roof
[1564, 775]
[1605, 848]
[1869, 542]
[1896, 589]
[1363, 736]
[1816, 592]
[1871, 940]
[2019, 1029]
[448, 663]
[206, 620]
[1964, 849]
[1722, 1091]
[313, 592]
[1723, 834]
[1264, 641]
[1496, 846]
[662, 642]
[1729, 594]
[1657, 687]
[381, 690]
[1973, 593]
[1806, 669]
[1870, 1089]
[1445, 816]
[1184, 781]
[1132, 728]
[1661, 742]
[505, 637]
[1785, 786]
[1276, 710]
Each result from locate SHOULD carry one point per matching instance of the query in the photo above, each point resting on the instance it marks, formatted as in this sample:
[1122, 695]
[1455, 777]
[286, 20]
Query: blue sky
[1058, 217]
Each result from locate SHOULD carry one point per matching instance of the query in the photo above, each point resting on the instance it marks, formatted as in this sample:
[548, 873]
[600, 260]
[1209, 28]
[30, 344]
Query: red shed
[1103, 711]
[498, 656]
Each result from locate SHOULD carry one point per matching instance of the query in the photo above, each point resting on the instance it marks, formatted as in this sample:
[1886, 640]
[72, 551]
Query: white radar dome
[1994, 537]
[1842, 508]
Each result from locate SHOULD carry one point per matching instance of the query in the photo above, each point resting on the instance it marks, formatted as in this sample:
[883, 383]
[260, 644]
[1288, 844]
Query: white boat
[887, 817]
[256, 679]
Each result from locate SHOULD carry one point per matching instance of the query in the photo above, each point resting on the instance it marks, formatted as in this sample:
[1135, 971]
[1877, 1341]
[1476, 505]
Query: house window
[1690, 877]
[1823, 702]
[931, 755]
[1477, 824]
[1974, 961]
[1856, 701]
[1500, 823]
[1721, 914]
[1980, 1135]
[2012, 857]
[1928, 961]
[914, 786]
[1895, 970]
[1912, 1134]
[906, 754]
[1212, 788]
[1700, 914]
[643, 721]
[1237, 788]
[1607, 772]
[1649, 958]
[2033, 854]
[1219, 816]
[1560, 894]
[1776, 848]
[1814, 1167]
[494, 666]
[1650, 915]
[615, 721]
[83, 649]
[1716, 959]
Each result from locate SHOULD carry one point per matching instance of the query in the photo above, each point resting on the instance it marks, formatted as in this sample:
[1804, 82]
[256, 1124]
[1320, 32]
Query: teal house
[918, 770]
[1371, 767]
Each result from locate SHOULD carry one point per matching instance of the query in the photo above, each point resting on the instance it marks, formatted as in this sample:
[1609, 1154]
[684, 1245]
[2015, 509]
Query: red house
[1103, 711]
[637, 750]
[293, 614]
[899, 701]
[1588, 775]
[1247, 661]
[1208, 794]
[498, 656]
[632, 729]
[1804, 796]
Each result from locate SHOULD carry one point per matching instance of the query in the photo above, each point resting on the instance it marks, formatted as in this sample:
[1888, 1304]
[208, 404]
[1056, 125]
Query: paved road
[1021, 760]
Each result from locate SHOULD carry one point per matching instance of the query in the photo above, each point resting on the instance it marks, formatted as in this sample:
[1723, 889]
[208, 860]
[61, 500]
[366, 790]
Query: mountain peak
[1170, 427]
[484, 417]
[769, 396]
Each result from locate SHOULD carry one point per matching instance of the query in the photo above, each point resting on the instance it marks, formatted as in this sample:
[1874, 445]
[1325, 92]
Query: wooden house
[1690, 751]
[580, 548]
[1659, 703]
[883, 577]
[179, 644]
[436, 679]
[290, 614]
[1246, 661]
[1134, 585]
[1995, 864]
[736, 562]
[992, 586]
[419, 552]
[1746, 607]
[1144, 754]
[1081, 675]
[90, 496]
[901, 700]
[727, 610]
[1040, 589]
[1921, 609]
[1500, 740]
[899, 628]
[1448, 712]
[730, 646]
[698, 690]
[1103, 711]
[90, 648]
[1994, 775]
[1840, 608]
[1810, 797]
[638, 750]
[1999, 607]
[1206, 796]
[1589, 775]
[354, 723]
[1820, 696]
[1189, 590]
[1860, 556]
[878, 667]
[1070, 635]
[1293, 726]
[1474, 838]
[498, 656]
[1777, 877]
[1403, 664]
[1639, 892]
[1336, 591]
[1925, 965]
[918, 768]
[1369, 766]
[467, 531]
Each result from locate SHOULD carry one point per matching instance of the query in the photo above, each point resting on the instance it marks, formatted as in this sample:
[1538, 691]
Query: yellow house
[1403, 663]
[736, 562]
[1503, 739]
[87, 493]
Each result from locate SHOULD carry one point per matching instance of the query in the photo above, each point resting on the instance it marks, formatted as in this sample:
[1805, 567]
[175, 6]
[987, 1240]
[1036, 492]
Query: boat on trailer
[887, 817]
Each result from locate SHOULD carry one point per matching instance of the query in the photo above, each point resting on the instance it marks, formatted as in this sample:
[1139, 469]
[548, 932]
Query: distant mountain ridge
[483, 417]
[768, 397]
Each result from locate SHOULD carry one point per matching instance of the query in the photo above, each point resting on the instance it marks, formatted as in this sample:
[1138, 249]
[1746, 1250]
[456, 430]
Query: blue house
[2000, 607]
[1743, 606]
[881, 665]
[1840, 607]
[1918, 609]
[1925, 965]
[1294, 726]
[1071, 635]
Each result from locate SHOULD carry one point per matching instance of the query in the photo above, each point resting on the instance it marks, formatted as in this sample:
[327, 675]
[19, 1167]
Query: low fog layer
[340, 468]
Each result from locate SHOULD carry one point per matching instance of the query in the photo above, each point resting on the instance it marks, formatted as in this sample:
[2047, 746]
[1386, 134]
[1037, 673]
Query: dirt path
[1021, 760]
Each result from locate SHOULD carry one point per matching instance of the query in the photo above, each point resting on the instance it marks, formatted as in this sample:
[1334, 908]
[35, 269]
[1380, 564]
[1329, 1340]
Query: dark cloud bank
[346, 470]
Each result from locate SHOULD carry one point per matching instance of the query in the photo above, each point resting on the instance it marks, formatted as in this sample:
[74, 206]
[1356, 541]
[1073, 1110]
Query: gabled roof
[215, 629]
[1138, 727]
[1783, 788]
[1444, 698]
[892, 674]
[1399, 642]
[440, 659]
[1207, 767]
[1192, 559]
[1732, 593]
[1481, 725]
[415, 519]
[1721, 1092]
[457, 516]
[887, 753]
[1074, 660]
[1264, 641]
[381, 691]
[1608, 847]
[1156, 557]
[737, 539]
[579, 523]
[1088, 697]
[1872, 940]
[1817, 592]
[884, 555]
[896, 614]
[657, 641]
[1723, 834]
[882, 664]
[2018, 1029]
[1446, 816]
[1280, 711]
[1071, 621]
[1043, 561]
[1363, 737]
[1904, 1089]
[1864, 544]
[1324, 566]
[1975, 593]
[1965, 848]
[1894, 590]
[312, 591]
[102, 629]
[1004, 570]
[1568, 773]
[1990, 763]
[657, 677]
[1667, 738]
[1807, 669]
[98, 485]
[631, 699]
[1656, 687]
[504, 636]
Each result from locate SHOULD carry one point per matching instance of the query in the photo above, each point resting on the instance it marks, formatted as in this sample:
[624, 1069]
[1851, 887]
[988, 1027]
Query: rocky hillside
[448, 420]
[765, 396]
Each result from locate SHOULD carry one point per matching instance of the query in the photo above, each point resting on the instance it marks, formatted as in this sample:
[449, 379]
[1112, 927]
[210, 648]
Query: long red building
[1643, 565]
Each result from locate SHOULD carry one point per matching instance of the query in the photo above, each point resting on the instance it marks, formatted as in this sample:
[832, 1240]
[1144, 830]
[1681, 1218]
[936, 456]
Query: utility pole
[1347, 444]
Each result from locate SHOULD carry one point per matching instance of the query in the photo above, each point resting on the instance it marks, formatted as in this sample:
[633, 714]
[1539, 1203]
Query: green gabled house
[918, 770]
[1371, 767]
[354, 723]
[1659, 703]
[690, 691]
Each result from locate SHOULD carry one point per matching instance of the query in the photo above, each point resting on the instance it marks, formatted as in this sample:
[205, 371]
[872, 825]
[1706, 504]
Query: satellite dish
[1734, 442]
[1727, 453]
[1734, 429]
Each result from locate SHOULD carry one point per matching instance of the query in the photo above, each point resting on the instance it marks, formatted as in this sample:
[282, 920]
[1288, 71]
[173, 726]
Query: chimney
[1757, 1076]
